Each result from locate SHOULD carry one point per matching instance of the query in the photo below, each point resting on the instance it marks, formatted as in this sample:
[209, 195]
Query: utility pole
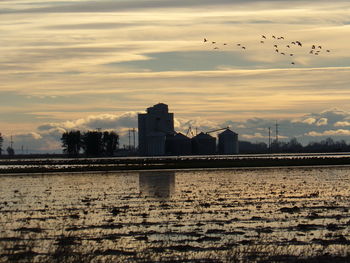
[129, 135]
[11, 142]
[276, 132]
[269, 139]
[134, 131]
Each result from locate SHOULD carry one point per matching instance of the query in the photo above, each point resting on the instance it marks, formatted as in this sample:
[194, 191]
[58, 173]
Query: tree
[71, 142]
[1, 141]
[92, 143]
[10, 151]
[294, 146]
[110, 142]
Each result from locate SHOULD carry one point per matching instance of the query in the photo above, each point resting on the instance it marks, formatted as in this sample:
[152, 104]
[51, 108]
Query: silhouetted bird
[224, 44]
[311, 51]
[238, 44]
[273, 37]
[277, 50]
[291, 55]
[288, 46]
[292, 63]
[243, 47]
[216, 48]
[282, 53]
[205, 40]
[293, 43]
[319, 47]
[262, 42]
[299, 43]
[275, 46]
[213, 42]
[328, 50]
[313, 47]
[263, 36]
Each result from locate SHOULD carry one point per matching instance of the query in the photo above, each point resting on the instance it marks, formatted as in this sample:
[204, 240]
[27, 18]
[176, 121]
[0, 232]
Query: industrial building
[157, 136]
[228, 142]
[203, 144]
[153, 127]
[178, 144]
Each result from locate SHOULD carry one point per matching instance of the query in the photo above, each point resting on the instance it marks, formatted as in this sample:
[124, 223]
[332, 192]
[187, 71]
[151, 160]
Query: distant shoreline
[21, 166]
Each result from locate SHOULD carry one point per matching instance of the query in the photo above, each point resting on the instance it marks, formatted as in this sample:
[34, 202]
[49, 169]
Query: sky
[81, 64]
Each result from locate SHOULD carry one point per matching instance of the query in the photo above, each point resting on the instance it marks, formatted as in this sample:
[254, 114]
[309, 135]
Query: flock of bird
[279, 46]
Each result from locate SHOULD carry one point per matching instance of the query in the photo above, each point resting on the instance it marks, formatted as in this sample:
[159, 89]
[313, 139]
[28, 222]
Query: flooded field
[238, 215]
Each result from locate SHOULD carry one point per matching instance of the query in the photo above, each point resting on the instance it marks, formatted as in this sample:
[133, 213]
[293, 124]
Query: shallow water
[190, 213]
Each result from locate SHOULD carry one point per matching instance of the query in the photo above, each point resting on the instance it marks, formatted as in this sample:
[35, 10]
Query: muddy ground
[237, 215]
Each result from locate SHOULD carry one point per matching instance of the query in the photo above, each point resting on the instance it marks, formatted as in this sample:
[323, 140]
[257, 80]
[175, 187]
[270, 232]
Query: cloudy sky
[83, 64]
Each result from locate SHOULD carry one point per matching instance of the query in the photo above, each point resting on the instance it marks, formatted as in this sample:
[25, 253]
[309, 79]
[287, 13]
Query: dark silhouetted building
[203, 144]
[157, 136]
[228, 142]
[153, 127]
[178, 144]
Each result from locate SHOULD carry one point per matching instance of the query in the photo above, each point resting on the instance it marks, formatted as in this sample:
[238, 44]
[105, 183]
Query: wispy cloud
[70, 60]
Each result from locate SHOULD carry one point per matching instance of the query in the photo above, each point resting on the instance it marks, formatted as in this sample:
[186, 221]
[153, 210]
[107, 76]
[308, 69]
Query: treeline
[92, 143]
[293, 146]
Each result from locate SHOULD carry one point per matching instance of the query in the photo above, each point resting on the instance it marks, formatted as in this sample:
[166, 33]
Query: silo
[228, 142]
[179, 144]
[203, 144]
[155, 144]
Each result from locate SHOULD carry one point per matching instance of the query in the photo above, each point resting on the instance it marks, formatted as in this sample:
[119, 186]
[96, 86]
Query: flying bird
[216, 48]
[205, 40]
[273, 37]
[313, 47]
[320, 47]
[213, 42]
[263, 36]
[262, 42]
[243, 47]
[275, 46]
[292, 63]
[291, 55]
[282, 53]
[238, 44]
[328, 50]
[288, 46]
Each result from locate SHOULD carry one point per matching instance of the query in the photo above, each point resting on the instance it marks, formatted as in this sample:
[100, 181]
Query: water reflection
[157, 184]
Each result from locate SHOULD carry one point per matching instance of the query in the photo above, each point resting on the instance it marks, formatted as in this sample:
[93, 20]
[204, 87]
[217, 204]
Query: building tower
[154, 126]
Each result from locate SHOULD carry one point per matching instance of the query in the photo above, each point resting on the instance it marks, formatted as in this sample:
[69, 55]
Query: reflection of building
[158, 184]
[228, 142]
[154, 126]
